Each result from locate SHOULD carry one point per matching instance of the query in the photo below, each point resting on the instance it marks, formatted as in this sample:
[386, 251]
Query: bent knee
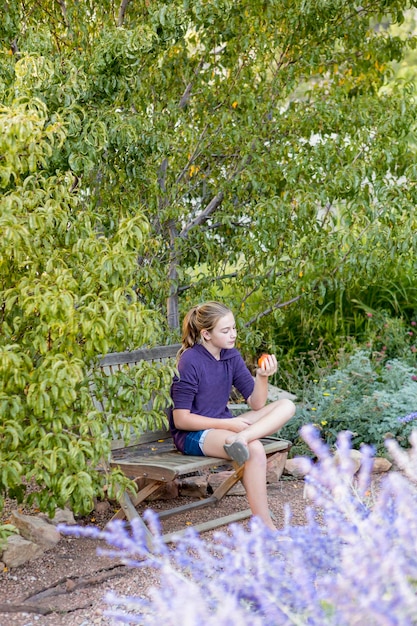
[257, 451]
[287, 407]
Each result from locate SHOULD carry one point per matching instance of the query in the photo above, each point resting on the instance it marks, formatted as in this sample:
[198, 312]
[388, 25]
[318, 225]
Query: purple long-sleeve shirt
[204, 384]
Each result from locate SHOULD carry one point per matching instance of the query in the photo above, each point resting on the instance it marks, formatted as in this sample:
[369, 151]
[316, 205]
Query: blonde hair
[201, 317]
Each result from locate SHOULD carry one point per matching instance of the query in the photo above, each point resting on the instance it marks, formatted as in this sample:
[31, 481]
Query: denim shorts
[194, 442]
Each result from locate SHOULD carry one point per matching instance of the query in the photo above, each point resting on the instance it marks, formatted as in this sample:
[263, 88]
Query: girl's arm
[259, 395]
[185, 420]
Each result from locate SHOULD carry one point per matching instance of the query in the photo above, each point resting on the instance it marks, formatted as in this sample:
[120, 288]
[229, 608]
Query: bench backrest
[116, 362]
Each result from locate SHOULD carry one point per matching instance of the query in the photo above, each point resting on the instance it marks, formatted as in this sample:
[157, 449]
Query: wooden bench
[151, 460]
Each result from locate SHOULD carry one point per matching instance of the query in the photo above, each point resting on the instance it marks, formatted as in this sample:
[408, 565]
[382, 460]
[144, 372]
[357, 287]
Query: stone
[36, 529]
[275, 393]
[356, 458]
[217, 478]
[19, 550]
[275, 466]
[295, 467]
[194, 487]
[102, 506]
[169, 491]
[381, 465]
[62, 516]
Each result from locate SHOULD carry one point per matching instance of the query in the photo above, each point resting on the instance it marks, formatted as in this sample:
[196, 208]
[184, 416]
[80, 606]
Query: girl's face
[223, 335]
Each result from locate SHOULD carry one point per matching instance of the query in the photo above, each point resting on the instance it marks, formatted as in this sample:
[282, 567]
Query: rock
[295, 467]
[194, 487]
[101, 507]
[217, 478]
[165, 492]
[62, 516]
[275, 466]
[381, 465]
[356, 458]
[36, 529]
[18, 551]
[275, 393]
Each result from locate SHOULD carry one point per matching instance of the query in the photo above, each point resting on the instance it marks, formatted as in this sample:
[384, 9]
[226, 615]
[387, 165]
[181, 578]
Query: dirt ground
[66, 585]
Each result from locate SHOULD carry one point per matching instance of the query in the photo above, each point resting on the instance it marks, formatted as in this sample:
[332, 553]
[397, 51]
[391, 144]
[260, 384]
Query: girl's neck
[214, 351]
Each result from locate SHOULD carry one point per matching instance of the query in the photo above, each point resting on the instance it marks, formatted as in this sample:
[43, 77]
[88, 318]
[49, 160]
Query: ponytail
[200, 317]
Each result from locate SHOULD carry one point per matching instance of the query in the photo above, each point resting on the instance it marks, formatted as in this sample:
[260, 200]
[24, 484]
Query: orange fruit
[262, 358]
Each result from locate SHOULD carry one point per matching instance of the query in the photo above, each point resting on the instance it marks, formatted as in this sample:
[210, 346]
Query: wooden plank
[166, 467]
[135, 500]
[144, 493]
[190, 506]
[271, 444]
[143, 354]
[169, 465]
[131, 514]
[204, 526]
[119, 446]
[158, 443]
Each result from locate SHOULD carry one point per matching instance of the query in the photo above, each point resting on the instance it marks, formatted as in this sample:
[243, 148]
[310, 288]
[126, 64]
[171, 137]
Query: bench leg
[135, 500]
[230, 482]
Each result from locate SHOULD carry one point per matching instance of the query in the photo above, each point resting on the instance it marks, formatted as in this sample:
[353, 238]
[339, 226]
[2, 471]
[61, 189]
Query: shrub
[363, 395]
[355, 558]
[303, 354]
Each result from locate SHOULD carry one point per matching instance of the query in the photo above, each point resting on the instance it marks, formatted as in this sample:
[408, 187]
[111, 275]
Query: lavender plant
[355, 560]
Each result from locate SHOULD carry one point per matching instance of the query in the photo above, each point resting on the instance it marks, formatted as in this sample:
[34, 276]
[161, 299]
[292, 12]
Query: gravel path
[71, 579]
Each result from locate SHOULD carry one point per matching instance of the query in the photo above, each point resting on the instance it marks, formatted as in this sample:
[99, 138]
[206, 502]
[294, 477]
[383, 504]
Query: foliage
[129, 158]
[67, 297]
[327, 572]
[310, 347]
[390, 338]
[355, 313]
[366, 394]
[160, 112]
[6, 530]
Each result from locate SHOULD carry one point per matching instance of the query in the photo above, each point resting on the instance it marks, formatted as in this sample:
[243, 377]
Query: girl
[200, 421]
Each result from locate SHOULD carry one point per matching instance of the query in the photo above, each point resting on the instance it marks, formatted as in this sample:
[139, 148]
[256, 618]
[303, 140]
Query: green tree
[156, 154]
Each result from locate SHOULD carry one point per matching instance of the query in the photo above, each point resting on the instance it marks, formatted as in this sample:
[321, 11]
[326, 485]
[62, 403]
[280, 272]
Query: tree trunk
[172, 301]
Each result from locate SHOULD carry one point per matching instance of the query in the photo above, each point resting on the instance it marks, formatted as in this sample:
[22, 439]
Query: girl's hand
[237, 424]
[268, 366]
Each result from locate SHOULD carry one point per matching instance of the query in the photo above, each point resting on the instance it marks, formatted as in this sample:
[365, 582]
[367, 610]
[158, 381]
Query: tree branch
[64, 12]
[212, 279]
[122, 10]
[210, 208]
[278, 305]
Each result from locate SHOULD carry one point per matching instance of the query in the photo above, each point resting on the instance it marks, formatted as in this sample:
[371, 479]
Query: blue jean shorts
[194, 442]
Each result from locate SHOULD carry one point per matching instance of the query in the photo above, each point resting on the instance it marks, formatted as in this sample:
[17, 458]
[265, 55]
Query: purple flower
[408, 418]
[356, 555]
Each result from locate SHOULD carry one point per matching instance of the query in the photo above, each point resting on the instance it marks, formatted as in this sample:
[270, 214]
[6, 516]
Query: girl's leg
[266, 421]
[254, 481]
[254, 474]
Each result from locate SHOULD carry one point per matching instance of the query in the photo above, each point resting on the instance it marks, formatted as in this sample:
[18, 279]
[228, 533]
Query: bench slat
[143, 354]
[171, 464]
